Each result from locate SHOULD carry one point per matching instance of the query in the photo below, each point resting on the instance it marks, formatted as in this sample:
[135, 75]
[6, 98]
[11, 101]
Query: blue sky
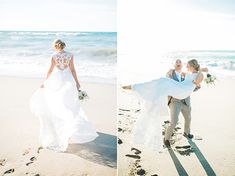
[58, 15]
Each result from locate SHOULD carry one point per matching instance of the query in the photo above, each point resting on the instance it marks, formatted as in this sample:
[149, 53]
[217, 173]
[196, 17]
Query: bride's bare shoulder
[70, 54]
[55, 55]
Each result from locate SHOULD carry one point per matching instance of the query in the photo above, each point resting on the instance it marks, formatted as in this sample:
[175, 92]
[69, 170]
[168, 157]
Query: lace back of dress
[62, 60]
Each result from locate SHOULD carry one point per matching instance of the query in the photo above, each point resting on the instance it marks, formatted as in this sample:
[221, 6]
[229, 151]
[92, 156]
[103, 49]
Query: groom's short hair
[178, 60]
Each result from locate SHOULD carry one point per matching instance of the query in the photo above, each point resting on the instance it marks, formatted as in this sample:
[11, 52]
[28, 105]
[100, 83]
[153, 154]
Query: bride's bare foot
[127, 87]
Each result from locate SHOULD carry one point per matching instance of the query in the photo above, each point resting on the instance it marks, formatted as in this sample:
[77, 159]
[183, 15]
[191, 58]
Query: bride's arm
[198, 79]
[204, 69]
[49, 71]
[72, 68]
[127, 87]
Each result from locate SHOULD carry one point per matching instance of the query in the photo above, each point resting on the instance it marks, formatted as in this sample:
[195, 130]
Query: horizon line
[54, 31]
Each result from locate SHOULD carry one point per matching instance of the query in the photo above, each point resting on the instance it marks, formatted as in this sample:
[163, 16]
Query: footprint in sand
[133, 156]
[136, 156]
[2, 162]
[119, 141]
[124, 109]
[39, 148]
[119, 129]
[137, 151]
[27, 164]
[31, 174]
[183, 147]
[141, 172]
[9, 171]
[186, 152]
[167, 121]
[32, 159]
[26, 151]
[138, 110]
[136, 167]
[177, 128]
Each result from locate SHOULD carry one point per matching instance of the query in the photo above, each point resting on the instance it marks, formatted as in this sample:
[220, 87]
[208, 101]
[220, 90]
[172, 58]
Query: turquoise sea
[27, 53]
[221, 64]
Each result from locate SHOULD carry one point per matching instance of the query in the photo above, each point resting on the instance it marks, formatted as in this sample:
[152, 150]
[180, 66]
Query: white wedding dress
[154, 97]
[58, 108]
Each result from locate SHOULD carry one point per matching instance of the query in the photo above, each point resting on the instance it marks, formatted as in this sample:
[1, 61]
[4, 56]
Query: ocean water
[221, 63]
[27, 53]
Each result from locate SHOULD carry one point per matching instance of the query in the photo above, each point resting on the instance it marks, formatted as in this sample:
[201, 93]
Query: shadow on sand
[194, 149]
[103, 150]
[202, 159]
[180, 169]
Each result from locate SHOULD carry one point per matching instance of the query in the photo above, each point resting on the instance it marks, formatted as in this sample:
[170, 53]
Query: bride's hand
[78, 86]
[204, 69]
[127, 87]
[42, 86]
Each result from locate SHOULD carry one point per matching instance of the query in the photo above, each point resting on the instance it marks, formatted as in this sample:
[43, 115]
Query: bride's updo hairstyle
[59, 44]
[194, 63]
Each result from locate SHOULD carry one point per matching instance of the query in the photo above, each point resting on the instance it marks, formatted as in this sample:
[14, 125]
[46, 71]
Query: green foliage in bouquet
[210, 79]
[82, 95]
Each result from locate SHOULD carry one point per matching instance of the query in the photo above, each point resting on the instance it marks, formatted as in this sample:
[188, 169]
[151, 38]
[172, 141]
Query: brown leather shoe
[190, 136]
[167, 143]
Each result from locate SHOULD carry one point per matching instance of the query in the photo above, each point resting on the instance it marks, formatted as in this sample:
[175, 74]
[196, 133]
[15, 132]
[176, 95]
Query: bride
[153, 96]
[57, 106]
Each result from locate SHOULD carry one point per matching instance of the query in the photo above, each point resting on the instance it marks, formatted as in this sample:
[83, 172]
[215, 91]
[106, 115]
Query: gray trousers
[177, 106]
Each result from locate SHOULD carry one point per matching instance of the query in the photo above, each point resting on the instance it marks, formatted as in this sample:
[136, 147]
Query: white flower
[82, 95]
[210, 79]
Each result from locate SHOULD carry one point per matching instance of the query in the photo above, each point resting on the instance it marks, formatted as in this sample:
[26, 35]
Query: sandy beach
[19, 128]
[211, 152]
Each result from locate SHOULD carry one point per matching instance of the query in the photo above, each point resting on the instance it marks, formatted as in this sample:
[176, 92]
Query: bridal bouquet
[210, 79]
[82, 95]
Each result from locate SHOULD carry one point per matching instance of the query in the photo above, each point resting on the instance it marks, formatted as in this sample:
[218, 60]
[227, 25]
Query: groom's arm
[169, 73]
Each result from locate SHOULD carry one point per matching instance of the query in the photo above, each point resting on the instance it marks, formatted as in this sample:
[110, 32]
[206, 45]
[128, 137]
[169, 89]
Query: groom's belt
[183, 100]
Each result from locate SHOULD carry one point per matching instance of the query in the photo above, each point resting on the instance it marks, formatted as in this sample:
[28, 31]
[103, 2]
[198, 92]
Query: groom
[176, 106]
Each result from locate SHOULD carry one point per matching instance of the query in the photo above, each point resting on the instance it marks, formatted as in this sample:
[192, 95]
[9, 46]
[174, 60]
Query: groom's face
[178, 64]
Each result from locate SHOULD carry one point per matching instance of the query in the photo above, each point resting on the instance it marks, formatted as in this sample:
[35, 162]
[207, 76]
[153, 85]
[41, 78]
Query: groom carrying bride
[176, 106]
[153, 96]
